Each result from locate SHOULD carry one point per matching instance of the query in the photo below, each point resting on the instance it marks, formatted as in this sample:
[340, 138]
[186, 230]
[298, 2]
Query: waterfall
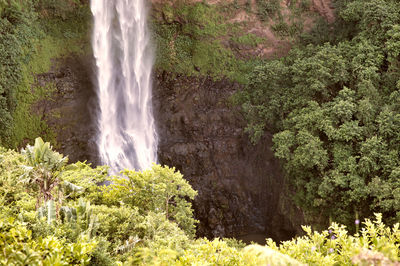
[124, 57]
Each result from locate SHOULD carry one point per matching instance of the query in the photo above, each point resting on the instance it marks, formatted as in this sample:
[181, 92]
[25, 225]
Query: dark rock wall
[240, 185]
[69, 110]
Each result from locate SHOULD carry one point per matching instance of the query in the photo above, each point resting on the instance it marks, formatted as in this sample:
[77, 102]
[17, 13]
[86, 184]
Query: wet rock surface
[68, 110]
[240, 185]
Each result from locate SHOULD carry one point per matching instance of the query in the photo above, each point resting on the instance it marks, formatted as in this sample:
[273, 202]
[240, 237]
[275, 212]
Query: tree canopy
[334, 109]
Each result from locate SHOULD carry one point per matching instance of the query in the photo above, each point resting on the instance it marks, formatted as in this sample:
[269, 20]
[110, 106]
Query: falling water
[127, 137]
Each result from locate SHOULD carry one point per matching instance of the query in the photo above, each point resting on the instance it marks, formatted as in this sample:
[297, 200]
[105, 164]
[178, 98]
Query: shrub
[336, 247]
[88, 178]
[18, 247]
[267, 9]
[159, 189]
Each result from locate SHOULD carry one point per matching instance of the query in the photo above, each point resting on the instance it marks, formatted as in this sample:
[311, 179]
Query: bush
[13, 195]
[18, 247]
[159, 189]
[89, 179]
[267, 9]
[336, 247]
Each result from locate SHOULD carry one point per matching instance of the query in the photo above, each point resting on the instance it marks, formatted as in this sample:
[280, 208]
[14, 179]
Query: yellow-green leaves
[42, 168]
[18, 247]
[336, 247]
[159, 189]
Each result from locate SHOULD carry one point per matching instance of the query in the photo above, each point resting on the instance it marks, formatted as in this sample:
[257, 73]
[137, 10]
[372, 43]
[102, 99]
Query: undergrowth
[191, 39]
[42, 37]
[145, 218]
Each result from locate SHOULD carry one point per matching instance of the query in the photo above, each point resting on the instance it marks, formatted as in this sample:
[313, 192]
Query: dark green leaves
[335, 112]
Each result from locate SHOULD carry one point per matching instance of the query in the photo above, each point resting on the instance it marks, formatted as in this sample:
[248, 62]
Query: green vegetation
[336, 247]
[33, 33]
[334, 110]
[270, 12]
[268, 9]
[15, 48]
[333, 105]
[249, 39]
[190, 41]
[144, 218]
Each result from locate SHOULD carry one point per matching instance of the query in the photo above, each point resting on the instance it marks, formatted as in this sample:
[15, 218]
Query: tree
[159, 189]
[335, 112]
[42, 169]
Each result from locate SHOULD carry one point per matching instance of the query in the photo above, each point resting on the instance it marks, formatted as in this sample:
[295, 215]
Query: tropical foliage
[32, 32]
[159, 189]
[334, 109]
[42, 169]
[149, 208]
[145, 218]
[374, 244]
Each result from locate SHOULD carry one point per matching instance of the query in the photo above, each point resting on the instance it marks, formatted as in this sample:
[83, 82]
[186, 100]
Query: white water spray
[127, 137]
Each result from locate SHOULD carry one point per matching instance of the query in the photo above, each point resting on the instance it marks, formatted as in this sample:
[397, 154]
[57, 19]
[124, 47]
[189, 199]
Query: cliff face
[70, 108]
[240, 185]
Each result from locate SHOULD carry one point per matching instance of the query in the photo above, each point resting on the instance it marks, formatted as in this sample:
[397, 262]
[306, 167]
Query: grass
[268, 9]
[248, 39]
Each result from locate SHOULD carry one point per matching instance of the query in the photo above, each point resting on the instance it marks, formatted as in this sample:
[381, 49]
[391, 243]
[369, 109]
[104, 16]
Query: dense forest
[333, 105]
[331, 102]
